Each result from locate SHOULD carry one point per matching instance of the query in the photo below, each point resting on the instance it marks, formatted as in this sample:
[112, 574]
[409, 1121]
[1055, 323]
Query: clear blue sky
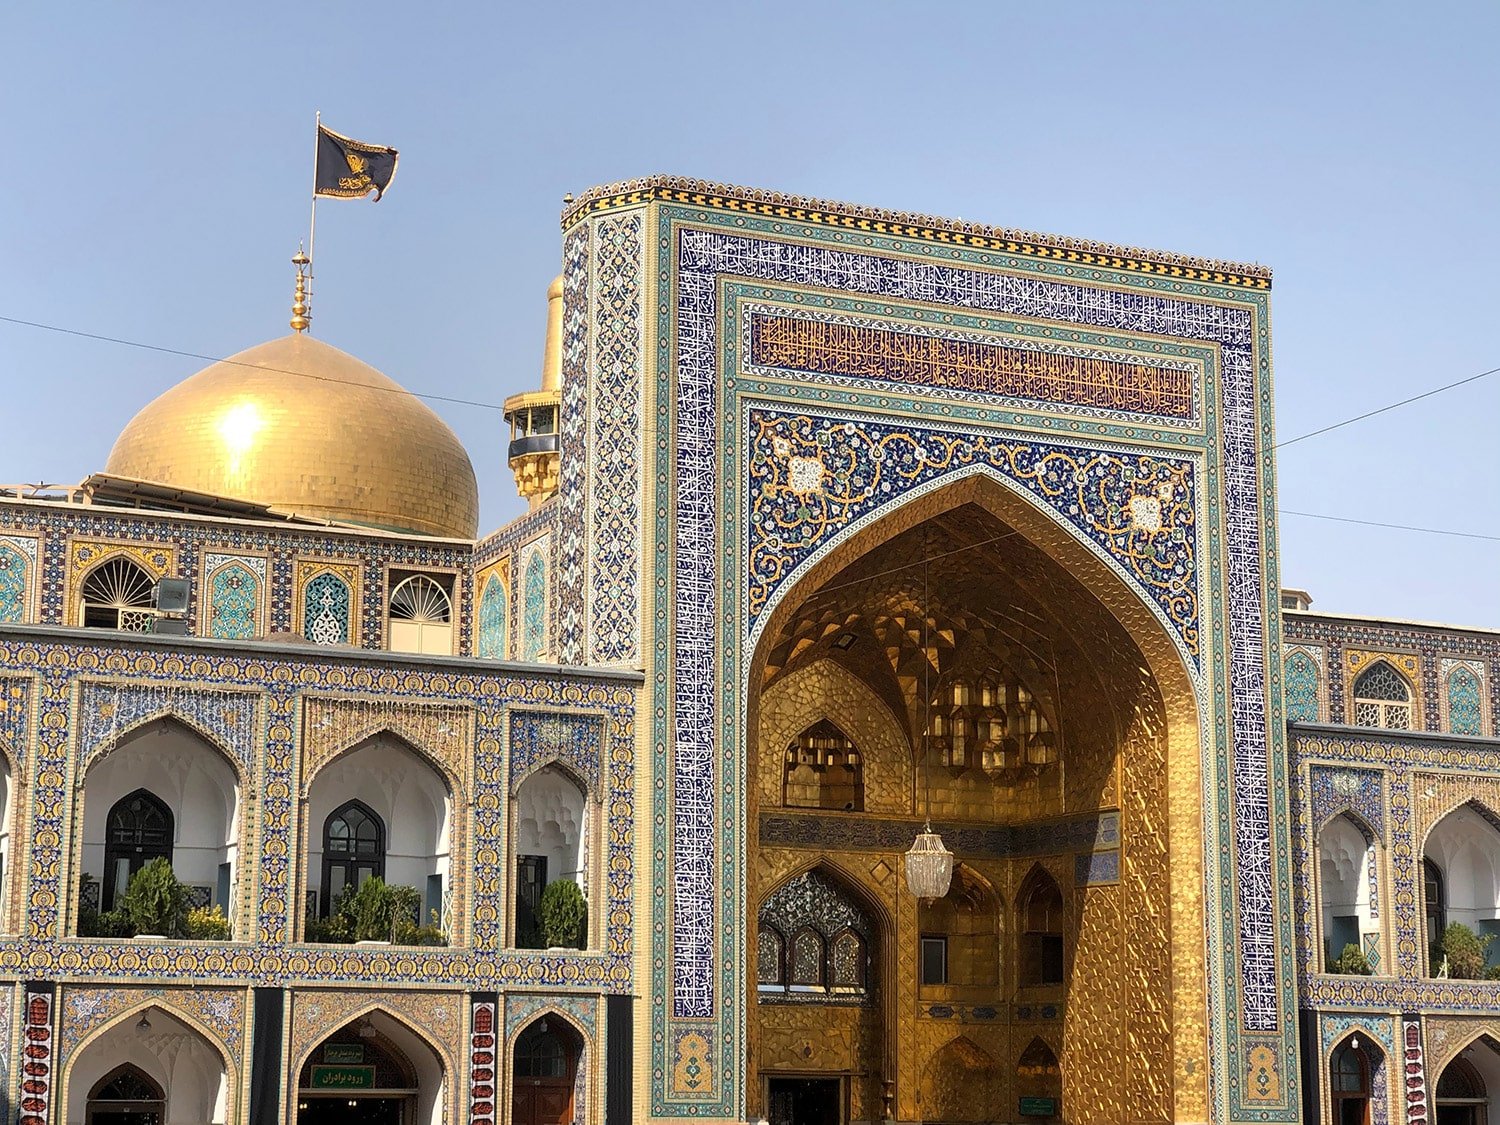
[157, 164]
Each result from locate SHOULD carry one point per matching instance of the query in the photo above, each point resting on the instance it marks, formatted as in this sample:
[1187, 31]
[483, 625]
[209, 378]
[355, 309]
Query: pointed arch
[1383, 697]
[1352, 814]
[961, 1082]
[116, 592]
[565, 766]
[233, 602]
[366, 736]
[327, 609]
[967, 921]
[165, 717]
[376, 1007]
[128, 1016]
[16, 583]
[1457, 1049]
[578, 1081]
[1478, 804]
[491, 627]
[1463, 701]
[1041, 929]
[1302, 686]
[534, 607]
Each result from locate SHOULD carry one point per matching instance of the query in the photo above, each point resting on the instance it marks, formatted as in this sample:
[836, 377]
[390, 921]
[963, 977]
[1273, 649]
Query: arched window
[1461, 1094]
[233, 603]
[770, 958]
[492, 620]
[823, 771]
[808, 961]
[13, 572]
[827, 958]
[1349, 1084]
[421, 617]
[126, 1096]
[1382, 698]
[1435, 907]
[534, 634]
[1041, 931]
[137, 830]
[1465, 714]
[1301, 686]
[353, 850]
[325, 610]
[846, 962]
[117, 595]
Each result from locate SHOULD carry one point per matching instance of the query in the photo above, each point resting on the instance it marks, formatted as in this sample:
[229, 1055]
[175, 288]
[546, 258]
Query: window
[1382, 698]
[117, 595]
[808, 961]
[531, 880]
[934, 959]
[137, 830]
[846, 963]
[126, 1096]
[1349, 1085]
[1433, 902]
[1041, 932]
[540, 1054]
[421, 616]
[827, 957]
[770, 958]
[353, 850]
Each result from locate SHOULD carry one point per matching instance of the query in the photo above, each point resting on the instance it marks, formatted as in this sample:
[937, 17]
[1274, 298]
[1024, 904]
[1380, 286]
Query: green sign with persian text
[342, 1078]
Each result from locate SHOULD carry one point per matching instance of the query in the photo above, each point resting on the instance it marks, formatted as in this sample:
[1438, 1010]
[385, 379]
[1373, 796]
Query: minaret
[533, 414]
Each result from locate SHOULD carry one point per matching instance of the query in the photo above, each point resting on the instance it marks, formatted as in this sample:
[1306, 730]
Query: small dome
[297, 425]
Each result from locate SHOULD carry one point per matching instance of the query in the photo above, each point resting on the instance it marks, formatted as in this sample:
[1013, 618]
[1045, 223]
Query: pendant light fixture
[929, 864]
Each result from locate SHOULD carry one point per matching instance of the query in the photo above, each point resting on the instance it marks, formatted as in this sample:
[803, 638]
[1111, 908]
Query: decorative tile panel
[534, 606]
[539, 737]
[614, 526]
[109, 710]
[1301, 685]
[19, 576]
[491, 630]
[578, 452]
[235, 587]
[1337, 788]
[1462, 686]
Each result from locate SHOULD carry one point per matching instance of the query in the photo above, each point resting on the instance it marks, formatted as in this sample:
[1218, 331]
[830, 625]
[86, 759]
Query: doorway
[805, 1101]
[351, 1111]
[545, 1067]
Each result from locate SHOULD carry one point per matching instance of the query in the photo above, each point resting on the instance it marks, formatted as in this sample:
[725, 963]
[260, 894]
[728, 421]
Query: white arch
[1346, 886]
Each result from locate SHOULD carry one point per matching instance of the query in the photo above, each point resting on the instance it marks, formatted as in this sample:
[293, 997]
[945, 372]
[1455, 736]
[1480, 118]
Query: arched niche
[1356, 1080]
[968, 580]
[1461, 880]
[166, 763]
[547, 1069]
[150, 1050]
[383, 777]
[1468, 1083]
[961, 1082]
[1348, 894]
[966, 921]
[1039, 1078]
[554, 826]
[1042, 954]
[379, 1062]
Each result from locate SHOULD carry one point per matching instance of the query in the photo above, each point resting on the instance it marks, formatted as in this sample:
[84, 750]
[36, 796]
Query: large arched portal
[150, 1068]
[989, 671]
[373, 1071]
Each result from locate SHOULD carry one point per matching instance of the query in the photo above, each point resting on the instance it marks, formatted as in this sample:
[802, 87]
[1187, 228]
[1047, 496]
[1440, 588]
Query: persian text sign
[343, 1078]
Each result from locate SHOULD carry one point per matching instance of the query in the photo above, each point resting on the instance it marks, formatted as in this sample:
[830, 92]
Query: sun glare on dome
[238, 428]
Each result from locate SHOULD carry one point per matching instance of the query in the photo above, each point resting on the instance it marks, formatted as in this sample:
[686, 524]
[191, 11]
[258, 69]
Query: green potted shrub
[561, 915]
[1352, 962]
[1465, 951]
[155, 902]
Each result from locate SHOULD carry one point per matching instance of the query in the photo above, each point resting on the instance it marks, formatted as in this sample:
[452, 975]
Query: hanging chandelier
[929, 864]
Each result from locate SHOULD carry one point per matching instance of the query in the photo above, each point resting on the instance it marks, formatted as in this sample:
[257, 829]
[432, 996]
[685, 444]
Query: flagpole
[312, 226]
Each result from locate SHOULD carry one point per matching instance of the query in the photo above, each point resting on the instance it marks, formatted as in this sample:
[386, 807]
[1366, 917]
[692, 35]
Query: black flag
[351, 169]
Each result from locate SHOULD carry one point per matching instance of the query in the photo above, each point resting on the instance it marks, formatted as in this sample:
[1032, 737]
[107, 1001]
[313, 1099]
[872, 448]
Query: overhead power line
[1384, 409]
[1392, 526]
[242, 363]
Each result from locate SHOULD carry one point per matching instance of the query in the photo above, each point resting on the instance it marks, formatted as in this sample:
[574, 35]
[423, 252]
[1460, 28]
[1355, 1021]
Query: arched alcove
[966, 605]
[1347, 889]
[116, 593]
[553, 818]
[966, 921]
[1354, 1080]
[1039, 1079]
[150, 1061]
[404, 806]
[961, 1082]
[1042, 959]
[164, 790]
[546, 1063]
[1461, 881]
[1469, 1083]
[374, 1070]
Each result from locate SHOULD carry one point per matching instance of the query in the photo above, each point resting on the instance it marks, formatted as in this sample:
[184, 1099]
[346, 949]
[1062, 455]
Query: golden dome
[301, 427]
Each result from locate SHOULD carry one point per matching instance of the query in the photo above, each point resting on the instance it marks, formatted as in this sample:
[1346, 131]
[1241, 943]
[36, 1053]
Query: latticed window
[534, 633]
[325, 610]
[353, 850]
[421, 616]
[117, 595]
[807, 960]
[13, 570]
[492, 620]
[1301, 684]
[770, 958]
[233, 597]
[827, 957]
[1464, 708]
[138, 829]
[126, 1094]
[1382, 698]
[540, 1054]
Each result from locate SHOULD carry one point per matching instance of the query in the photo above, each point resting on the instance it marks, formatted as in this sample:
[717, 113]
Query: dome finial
[300, 317]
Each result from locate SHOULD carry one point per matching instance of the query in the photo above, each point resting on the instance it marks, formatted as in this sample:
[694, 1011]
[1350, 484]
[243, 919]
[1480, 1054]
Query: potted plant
[1352, 962]
[1465, 951]
[561, 915]
[155, 902]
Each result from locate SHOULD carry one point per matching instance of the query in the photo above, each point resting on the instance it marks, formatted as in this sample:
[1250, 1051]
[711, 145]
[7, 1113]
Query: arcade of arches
[992, 673]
